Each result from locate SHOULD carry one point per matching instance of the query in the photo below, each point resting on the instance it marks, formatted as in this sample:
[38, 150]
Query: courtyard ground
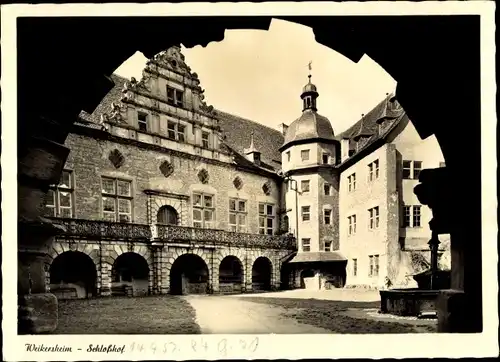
[290, 312]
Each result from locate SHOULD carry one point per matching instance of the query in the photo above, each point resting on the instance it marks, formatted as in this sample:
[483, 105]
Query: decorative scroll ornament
[267, 188]
[166, 168]
[203, 176]
[116, 115]
[116, 158]
[238, 183]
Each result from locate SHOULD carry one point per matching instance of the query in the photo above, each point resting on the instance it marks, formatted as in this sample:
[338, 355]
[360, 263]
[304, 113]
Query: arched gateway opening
[230, 275]
[306, 278]
[73, 275]
[189, 275]
[130, 275]
[261, 274]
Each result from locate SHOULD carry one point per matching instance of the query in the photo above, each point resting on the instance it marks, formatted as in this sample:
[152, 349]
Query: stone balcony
[104, 230]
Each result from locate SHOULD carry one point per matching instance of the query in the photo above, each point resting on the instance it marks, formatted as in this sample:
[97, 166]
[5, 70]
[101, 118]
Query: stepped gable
[388, 110]
[238, 132]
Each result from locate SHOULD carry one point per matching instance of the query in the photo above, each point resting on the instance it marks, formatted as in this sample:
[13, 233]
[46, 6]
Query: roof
[310, 125]
[237, 130]
[318, 256]
[367, 129]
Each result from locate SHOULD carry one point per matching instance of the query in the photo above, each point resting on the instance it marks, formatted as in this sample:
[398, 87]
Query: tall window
[351, 182]
[266, 218]
[238, 215]
[175, 97]
[373, 170]
[354, 267]
[328, 246]
[304, 155]
[203, 210]
[205, 139]
[412, 216]
[176, 131]
[327, 214]
[374, 217]
[328, 189]
[326, 158]
[306, 213]
[142, 120]
[374, 265]
[352, 224]
[116, 200]
[288, 156]
[306, 244]
[411, 169]
[304, 185]
[59, 199]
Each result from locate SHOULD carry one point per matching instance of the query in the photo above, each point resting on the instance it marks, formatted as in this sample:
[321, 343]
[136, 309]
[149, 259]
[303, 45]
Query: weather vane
[310, 67]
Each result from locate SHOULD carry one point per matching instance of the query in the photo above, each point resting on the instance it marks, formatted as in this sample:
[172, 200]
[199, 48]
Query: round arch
[167, 215]
[304, 276]
[231, 275]
[261, 273]
[189, 275]
[130, 275]
[73, 275]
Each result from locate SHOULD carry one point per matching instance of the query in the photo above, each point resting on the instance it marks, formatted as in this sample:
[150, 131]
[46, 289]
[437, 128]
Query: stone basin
[408, 302]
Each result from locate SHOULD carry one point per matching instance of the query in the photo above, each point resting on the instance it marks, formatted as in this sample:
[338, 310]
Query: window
[373, 170]
[328, 246]
[411, 169]
[176, 131]
[306, 244]
[203, 210]
[304, 155]
[175, 97]
[59, 198]
[266, 218]
[328, 189]
[327, 216]
[374, 265]
[354, 267]
[142, 120]
[374, 217]
[205, 139]
[288, 156]
[306, 213]
[238, 215]
[304, 185]
[412, 216]
[116, 200]
[326, 158]
[351, 182]
[352, 224]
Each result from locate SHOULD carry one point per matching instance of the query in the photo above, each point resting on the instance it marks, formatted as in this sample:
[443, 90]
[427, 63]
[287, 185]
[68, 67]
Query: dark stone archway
[415, 50]
[262, 270]
[73, 275]
[230, 275]
[130, 275]
[189, 275]
[304, 274]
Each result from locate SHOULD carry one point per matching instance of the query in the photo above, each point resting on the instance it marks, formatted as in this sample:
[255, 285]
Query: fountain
[420, 301]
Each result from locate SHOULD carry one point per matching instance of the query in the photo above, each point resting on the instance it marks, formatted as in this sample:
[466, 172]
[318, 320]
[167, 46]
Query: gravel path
[223, 315]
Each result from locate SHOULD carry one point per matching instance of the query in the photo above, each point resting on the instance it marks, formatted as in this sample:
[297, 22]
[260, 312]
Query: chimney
[344, 149]
[282, 128]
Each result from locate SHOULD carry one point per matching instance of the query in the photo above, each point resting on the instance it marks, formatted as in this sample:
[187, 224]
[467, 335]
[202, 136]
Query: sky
[259, 75]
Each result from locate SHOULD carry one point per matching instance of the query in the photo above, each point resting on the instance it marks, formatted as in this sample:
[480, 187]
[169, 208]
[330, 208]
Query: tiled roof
[367, 129]
[237, 130]
[238, 133]
[310, 125]
[318, 256]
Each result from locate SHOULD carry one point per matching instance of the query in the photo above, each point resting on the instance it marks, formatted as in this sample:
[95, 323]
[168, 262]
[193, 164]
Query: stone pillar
[106, 269]
[159, 256]
[213, 268]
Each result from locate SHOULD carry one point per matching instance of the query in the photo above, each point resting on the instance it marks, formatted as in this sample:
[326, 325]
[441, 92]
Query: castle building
[162, 193]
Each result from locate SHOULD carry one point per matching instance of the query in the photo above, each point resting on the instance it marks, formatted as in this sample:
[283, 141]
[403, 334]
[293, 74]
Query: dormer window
[175, 97]
[176, 131]
[205, 139]
[142, 121]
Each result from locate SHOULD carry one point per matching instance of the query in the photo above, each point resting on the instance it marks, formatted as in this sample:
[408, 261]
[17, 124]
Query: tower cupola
[309, 94]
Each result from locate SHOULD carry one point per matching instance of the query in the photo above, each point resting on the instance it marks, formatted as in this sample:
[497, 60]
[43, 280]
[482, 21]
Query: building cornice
[307, 140]
[104, 135]
[311, 169]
